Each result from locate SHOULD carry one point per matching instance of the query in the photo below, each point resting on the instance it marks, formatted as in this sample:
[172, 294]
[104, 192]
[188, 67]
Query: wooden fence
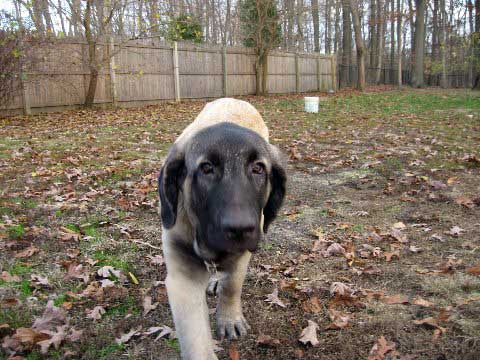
[148, 70]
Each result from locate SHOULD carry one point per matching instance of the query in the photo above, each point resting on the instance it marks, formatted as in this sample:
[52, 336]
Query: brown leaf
[396, 299]
[157, 260]
[124, 338]
[10, 302]
[68, 235]
[233, 353]
[147, 305]
[9, 278]
[28, 335]
[75, 271]
[39, 280]
[273, 299]
[339, 319]
[312, 305]
[422, 302]
[95, 313]
[474, 270]
[309, 334]
[52, 317]
[27, 252]
[333, 249]
[267, 340]
[465, 201]
[399, 236]
[56, 338]
[339, 288]
[381, 348]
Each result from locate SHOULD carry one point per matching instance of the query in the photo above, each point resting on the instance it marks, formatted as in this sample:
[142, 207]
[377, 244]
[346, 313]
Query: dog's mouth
[212, 246]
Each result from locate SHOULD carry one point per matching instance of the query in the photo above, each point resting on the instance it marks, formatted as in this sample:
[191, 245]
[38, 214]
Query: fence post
[334, 72]
[113, 82]
[224, 63]
[297, 74]
[176, 75]
[319, 75]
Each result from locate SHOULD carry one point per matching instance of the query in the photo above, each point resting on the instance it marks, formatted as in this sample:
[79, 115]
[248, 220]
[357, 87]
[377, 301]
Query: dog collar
[211, 266]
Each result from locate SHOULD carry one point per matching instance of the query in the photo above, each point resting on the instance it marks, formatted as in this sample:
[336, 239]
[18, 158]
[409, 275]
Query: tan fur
[226, 110]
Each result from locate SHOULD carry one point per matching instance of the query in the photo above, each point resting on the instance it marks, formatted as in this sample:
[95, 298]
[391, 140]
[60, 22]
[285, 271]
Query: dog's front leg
[186, 287]
[230, 320]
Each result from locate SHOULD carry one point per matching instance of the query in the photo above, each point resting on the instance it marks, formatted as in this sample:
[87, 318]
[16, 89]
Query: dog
[221, 186]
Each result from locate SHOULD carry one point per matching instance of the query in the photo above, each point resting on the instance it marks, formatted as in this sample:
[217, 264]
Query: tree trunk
[336, 45]
[435, 32]
[419, 42]
[472, 30]
[258, 76]
[399, 45]
[392, 38]
[359, 44]
[227, 23]
[380, 39]
[372, 33]
[265, 73]
[301, 39]
[346, 46]
[476, 46]
[92, 55]
[38, 16]
[328, 27]
[443, 44]
[316, 25]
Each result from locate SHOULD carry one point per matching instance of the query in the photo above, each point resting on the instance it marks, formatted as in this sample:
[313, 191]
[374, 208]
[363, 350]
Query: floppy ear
[278, 183]
[169, 185]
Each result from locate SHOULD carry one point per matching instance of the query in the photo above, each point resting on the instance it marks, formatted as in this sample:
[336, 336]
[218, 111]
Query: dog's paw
[212, 288]
[231, 327]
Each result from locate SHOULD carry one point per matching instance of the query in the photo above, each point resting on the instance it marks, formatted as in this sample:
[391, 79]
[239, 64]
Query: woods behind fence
[146, 71]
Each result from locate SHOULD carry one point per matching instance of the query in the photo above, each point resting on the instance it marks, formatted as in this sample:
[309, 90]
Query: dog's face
[228, 177]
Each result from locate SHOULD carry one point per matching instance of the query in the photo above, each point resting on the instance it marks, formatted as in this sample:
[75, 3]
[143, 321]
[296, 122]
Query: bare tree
[316, 25]
[359, 45]
[419, 43]
[399, 43]
[345, 67]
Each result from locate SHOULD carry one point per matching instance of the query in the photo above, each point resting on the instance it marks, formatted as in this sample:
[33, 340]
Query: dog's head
[232, 184]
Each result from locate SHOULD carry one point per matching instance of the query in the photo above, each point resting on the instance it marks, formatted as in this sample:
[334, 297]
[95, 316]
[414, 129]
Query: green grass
[128, 305]
[16, 318]
[174, 344]
[110, 349]
[16, 231]
[20, 269]
[106, 258]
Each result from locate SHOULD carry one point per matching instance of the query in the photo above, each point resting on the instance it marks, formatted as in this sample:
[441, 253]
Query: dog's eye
[206, 168]
[258, 168]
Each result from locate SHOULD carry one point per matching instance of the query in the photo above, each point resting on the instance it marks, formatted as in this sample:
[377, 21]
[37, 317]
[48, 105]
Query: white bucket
[311, 104]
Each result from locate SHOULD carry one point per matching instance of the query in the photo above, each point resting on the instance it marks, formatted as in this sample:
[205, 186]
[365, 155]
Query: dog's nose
[238, 226]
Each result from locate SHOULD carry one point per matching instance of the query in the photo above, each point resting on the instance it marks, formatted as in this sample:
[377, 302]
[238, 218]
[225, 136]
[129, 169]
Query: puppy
[220, 187]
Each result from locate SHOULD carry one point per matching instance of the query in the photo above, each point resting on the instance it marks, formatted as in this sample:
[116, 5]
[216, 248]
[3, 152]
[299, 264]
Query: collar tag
[211, 266]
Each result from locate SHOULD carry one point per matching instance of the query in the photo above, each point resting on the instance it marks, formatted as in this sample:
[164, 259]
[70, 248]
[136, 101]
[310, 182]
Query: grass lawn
[379, 235]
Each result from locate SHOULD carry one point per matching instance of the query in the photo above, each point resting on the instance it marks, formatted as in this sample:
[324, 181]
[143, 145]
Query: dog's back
[226, 110]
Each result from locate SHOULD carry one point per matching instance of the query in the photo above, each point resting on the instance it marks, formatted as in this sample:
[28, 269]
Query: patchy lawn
[378, 244]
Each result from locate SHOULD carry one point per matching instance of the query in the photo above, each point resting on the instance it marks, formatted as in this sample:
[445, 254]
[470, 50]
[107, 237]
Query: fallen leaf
[108, 271]
[9, 278]
[474, 270]
[273, 299]
[125, 338]
[164, 332]
[455, 231]
[339, 319]
[312, 305]
[399, 236]
[56, 338]
[39, 280]
[381, 348]
[27, 252]
[340, 289]
[29, 335]
[147, 305]
[422, 302]
[465, 201]
[267, 340]
[396, 299]
[233, 352]
[52, 317]
[334, 249]
[157, 260]
[309, 334]
[95, 313]
[399, 226]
